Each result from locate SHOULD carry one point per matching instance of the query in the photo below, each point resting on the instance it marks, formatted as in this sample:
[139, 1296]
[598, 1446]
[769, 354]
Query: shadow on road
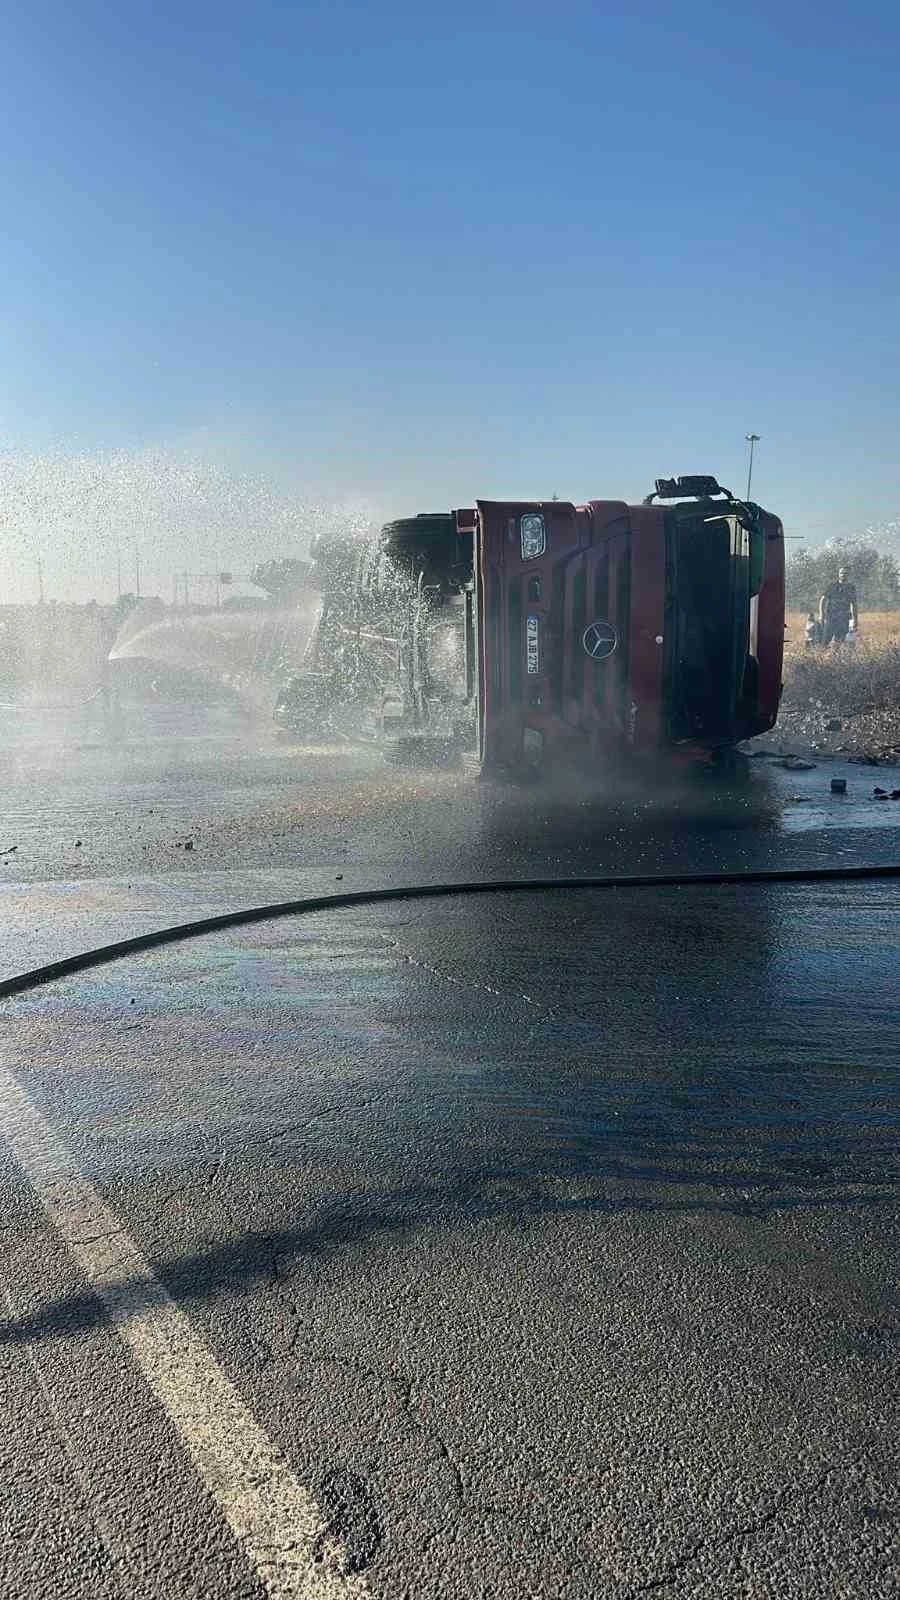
[459, 1202]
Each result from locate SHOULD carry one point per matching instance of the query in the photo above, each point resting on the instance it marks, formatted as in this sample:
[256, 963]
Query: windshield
[449, 453]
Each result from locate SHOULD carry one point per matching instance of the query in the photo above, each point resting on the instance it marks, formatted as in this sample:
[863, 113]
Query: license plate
[532, 645]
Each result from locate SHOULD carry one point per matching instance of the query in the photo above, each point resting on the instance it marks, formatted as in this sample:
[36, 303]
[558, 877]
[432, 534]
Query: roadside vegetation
[843, 699]
[874, 572]
[856, 687]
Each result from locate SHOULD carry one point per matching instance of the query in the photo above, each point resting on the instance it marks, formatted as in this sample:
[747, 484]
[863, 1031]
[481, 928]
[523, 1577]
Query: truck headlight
[532, 535]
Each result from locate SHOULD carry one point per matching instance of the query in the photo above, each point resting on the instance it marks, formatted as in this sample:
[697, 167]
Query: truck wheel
[422, 750]
[725, 762]
[427, 543]
[303, 709]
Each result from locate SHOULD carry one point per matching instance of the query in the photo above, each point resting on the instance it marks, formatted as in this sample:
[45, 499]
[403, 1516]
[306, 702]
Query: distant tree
[801, 580]
[150, 606]
[886, 579]
[282, 580]
[875, 574]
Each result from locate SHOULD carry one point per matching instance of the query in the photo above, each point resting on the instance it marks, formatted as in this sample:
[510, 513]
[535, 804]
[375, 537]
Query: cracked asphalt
[552, 1240]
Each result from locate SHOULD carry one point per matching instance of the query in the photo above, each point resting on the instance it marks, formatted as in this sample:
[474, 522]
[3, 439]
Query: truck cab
[607, 629]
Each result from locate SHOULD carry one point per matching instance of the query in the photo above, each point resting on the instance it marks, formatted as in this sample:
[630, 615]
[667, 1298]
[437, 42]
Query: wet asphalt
[552, 1238]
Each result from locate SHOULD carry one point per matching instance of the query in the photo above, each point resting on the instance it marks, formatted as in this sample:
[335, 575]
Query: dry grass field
[876, 628]
[857, 687]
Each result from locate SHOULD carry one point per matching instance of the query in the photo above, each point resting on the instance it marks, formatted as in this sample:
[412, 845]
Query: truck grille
[557, 662]
[579, 623]
[516, 642]
[601, 611]
[622, 658]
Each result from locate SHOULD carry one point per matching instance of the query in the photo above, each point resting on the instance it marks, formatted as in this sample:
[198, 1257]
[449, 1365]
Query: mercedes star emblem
[599, 640]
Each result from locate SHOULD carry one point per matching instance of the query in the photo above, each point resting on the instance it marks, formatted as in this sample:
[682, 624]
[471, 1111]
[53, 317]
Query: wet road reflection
[245, 801]
[513, 1206]
[699, 1038]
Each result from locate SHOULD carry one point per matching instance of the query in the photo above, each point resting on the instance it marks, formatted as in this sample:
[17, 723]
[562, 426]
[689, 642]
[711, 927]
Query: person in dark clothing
[838, 609]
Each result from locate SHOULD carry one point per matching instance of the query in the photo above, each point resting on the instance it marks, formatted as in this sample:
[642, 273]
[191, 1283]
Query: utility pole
[118, 573]
[40, 572]
[752, 439]
[137, 572]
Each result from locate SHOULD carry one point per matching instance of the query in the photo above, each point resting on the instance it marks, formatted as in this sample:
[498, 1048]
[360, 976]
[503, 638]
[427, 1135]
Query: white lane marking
[275, 1520]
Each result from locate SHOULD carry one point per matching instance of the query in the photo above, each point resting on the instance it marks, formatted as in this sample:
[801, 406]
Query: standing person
[838, 611]
[812, 633]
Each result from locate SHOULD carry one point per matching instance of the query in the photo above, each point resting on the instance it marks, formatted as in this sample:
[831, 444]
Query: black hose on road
[68, 965]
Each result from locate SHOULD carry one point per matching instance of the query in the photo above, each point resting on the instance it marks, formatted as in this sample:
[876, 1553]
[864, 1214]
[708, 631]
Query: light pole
[752, 439]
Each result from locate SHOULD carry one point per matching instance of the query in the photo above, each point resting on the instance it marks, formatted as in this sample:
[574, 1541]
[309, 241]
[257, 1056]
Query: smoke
[81, 525]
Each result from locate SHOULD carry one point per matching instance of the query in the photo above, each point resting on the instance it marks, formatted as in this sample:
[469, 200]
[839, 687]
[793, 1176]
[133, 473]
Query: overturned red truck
[542, 634]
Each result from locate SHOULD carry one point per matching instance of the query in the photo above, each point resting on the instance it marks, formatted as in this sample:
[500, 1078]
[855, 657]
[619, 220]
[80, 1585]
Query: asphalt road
[533, 1245]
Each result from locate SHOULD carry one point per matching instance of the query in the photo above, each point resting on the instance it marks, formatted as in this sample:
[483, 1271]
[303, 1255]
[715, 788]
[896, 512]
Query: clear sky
[396, 256]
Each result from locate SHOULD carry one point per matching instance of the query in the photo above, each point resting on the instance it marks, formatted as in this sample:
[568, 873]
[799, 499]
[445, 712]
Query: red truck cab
[606, 628]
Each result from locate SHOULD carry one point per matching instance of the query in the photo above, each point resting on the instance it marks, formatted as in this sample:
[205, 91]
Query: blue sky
[396, 258]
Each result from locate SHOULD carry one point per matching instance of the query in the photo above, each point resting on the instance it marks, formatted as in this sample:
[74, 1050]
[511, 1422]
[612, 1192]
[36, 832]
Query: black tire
[422, 751]
[727, 764]
[306, 710]
[428, 528]
[427, 543]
